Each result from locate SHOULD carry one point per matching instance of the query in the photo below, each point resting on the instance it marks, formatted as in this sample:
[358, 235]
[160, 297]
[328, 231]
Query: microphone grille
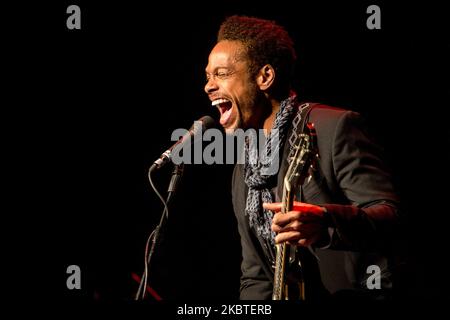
[207, 122]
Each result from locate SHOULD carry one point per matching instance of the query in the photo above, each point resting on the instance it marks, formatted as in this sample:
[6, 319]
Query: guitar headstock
[303, 159]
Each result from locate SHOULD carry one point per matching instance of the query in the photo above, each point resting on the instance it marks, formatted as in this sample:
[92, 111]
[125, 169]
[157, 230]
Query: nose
[211, 86]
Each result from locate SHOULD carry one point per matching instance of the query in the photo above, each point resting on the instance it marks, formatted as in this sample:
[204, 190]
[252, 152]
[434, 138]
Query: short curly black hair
[266, 42]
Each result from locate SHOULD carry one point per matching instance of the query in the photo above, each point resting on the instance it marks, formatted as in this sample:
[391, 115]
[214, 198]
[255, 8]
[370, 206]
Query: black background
[96, 106]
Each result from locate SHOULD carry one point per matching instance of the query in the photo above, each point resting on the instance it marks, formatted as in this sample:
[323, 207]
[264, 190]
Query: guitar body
[288, 277]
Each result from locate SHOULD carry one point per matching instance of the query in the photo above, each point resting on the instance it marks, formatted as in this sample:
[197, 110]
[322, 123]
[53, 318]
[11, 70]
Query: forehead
[226, 53]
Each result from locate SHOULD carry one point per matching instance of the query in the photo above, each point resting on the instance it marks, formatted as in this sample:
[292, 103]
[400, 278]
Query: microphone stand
[177, 174]
[174, 181]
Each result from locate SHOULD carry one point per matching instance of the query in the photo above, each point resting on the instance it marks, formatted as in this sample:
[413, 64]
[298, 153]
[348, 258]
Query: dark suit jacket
[355, 188]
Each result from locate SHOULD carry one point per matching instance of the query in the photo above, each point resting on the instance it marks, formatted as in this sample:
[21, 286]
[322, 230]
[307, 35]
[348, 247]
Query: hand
[303, 226]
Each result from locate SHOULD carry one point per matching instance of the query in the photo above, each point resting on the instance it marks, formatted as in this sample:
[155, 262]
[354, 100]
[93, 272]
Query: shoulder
[333, 114]
[328, 118]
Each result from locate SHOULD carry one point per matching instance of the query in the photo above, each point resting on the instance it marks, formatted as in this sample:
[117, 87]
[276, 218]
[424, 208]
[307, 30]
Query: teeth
[218, 101]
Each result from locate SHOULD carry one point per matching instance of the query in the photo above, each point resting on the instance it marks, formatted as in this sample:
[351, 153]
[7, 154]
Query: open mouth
[225, 107]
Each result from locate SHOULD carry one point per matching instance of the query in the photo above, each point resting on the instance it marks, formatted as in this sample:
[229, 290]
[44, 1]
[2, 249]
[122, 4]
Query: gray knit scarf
[259, 183]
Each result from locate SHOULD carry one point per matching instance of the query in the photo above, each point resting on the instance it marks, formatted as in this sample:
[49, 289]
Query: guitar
[288, 278]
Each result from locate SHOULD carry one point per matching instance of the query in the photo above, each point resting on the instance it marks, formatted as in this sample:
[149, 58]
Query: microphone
[206, 123]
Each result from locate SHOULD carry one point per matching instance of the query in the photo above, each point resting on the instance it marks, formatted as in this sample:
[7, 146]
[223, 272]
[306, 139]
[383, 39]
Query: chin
[232, 128]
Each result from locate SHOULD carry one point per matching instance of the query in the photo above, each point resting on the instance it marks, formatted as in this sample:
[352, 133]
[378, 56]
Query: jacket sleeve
[368, 222]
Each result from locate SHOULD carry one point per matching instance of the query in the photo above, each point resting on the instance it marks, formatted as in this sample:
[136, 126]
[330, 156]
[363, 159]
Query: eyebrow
[220, 67]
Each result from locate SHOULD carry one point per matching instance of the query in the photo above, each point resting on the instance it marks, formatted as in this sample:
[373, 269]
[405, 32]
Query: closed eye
[221, 75]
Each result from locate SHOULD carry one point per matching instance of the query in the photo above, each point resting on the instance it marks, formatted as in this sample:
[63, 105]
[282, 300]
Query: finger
[275, 206]
[277, 228]
[289, 226]
[296, 204]
[297, 240]
[283, 219]
[302, 204]
[306, 242]
[308, 208]
[280, 220]
[306, 230]
[291, 236]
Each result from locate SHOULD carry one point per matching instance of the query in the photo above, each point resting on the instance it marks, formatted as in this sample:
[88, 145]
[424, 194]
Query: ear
[265, 77]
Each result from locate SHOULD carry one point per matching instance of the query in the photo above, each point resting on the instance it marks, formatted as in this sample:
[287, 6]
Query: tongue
[225, 116]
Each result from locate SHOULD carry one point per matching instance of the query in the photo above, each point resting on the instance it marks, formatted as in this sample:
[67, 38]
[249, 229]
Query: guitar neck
[288, 277]
[282, 251]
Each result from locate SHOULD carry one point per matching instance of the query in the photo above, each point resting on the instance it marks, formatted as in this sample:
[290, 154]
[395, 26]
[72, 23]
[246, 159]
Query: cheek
[247, 101]
[243, 94]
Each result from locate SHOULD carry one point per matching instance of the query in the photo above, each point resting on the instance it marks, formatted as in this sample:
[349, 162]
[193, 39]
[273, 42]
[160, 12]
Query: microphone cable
[140, 294]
